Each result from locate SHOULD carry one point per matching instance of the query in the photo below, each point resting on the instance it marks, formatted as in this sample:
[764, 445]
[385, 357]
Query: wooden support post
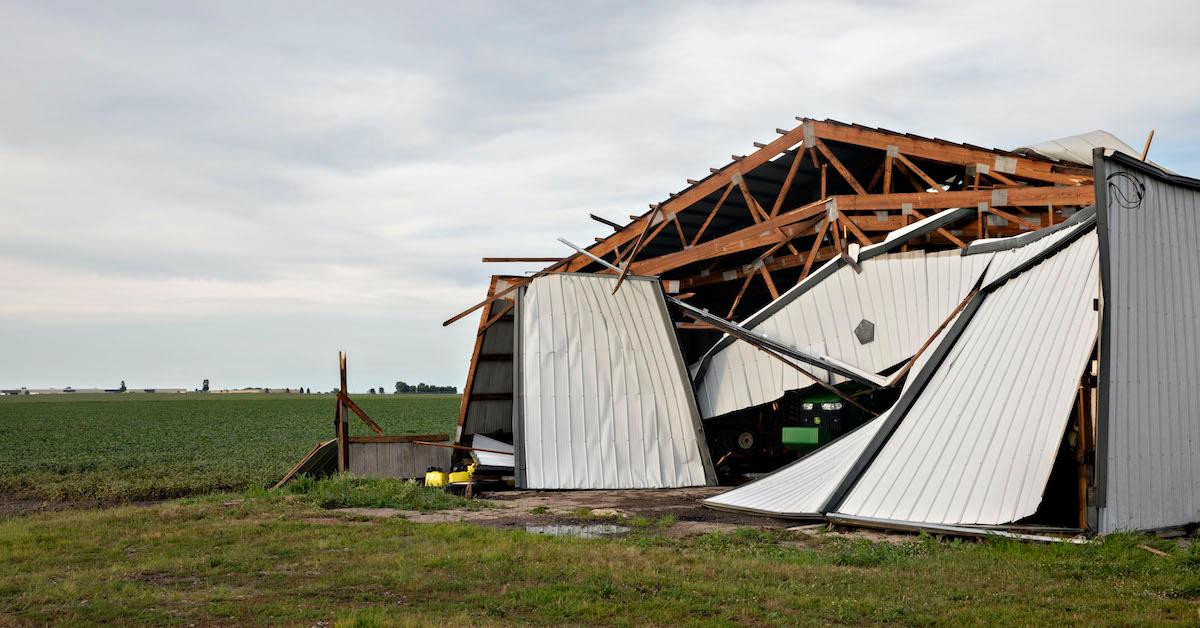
[1081, 448]
[343, 424]
[1146, 149]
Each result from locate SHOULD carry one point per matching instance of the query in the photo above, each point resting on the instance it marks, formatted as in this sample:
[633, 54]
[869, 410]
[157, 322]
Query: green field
[270, 560]
[236, 553]
[142, 447]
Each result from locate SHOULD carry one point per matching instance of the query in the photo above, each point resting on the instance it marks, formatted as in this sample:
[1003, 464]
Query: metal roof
[1148, 423]
[906, 296]
[1078, 148]
[977, 442]
[603, 399]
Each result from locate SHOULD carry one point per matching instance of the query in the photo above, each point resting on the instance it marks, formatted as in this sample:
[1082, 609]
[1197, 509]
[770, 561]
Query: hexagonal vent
[865, 332]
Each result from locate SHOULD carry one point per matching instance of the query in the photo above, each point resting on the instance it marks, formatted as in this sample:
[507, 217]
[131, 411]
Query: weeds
[353, 492]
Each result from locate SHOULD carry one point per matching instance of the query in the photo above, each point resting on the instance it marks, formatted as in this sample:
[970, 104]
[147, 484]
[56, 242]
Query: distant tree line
[403, 388]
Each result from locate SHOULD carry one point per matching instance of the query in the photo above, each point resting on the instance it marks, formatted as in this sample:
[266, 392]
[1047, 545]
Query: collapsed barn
[932, 335]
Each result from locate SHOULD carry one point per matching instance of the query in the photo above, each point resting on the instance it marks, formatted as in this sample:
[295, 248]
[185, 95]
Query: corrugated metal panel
[905, 295]
[1149, 418]
[977, 444]
[604, 398]
[801, 488]
[1078, 148]
[491, 416]
[490, 458]
[1008, 259]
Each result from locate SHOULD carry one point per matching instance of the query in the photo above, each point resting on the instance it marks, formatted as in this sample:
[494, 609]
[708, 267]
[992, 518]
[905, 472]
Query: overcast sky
[236, 191]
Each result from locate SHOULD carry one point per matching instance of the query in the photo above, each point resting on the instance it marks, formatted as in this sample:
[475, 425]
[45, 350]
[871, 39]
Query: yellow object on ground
[435, 478]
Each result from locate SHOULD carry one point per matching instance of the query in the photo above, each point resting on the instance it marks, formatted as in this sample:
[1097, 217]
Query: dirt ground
[539, 509]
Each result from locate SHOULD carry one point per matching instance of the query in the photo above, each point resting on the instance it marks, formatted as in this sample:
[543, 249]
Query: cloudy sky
[236, 191]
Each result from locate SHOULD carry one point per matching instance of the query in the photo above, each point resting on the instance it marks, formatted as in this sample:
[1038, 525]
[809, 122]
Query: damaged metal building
[881, 329]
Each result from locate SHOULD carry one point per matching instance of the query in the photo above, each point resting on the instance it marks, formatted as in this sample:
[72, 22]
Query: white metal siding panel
[1005, 261]
[1151, 366]
[801, 488]
[906, 296]
[977, 445]
[490, 458]
[605, 398]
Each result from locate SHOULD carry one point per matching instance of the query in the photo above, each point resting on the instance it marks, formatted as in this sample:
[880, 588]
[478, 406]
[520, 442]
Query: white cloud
[227, 168]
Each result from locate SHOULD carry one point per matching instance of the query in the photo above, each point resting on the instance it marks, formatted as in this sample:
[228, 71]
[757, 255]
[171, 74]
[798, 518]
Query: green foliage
[280, 559]
[353, 492]
[129, 447]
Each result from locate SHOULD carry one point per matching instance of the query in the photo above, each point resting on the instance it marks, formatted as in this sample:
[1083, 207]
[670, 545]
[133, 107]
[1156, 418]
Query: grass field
[143, 447]
[252, 556]
[271, 559]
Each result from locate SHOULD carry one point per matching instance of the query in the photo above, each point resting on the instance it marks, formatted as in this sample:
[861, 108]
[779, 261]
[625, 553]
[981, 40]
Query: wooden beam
[756, 210]
[637, 246]
[517, 283]
[787, 181]
[945, 232]
[693, 194]
[920, 173]
[766, 275]
[812, 252]
[712, 214]
[506, 260]
[1007, 216]
[781, 262]
[683, 241]
[345, 398]
[605, 221]
[887, 173]
[949, 153]
[837, 165]
[799, 222]
[1146, 149]
[474, 364]
[740, 294]
[495, 317]
[1037, 196]
[858, 233]
[399, 438]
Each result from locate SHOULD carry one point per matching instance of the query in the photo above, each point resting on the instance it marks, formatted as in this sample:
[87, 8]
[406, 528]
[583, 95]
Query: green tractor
[763, 438]
[816, 420]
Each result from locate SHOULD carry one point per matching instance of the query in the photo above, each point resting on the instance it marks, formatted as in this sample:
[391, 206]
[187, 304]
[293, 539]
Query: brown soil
[518, 509]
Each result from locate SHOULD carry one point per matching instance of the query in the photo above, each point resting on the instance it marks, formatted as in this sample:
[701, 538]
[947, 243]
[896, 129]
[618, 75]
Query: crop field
[231, 552]
[144, 447]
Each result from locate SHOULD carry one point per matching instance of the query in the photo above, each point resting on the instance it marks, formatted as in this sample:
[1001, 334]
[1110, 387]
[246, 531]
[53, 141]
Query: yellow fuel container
[435, 478]
[462, 477]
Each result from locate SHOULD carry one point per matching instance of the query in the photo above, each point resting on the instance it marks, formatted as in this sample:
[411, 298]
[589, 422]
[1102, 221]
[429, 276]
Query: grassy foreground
[279, 559]
[139, 447]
